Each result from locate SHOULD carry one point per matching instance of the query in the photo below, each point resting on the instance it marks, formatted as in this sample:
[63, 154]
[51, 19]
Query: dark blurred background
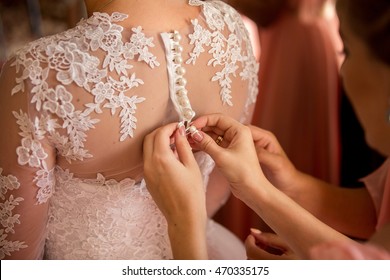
[22, 21]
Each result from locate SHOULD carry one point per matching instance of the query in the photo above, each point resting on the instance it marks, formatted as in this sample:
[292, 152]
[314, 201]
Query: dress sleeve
[26, 166]
[378, 185]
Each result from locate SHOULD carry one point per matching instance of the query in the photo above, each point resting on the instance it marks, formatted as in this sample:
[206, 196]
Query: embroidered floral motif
[70, 63]
[7, 217]
[226, 51]
[31, 152]
[102, 91]
[104, 219]
[250, 73]
[108, 219]
[59, 102]
[27, 127]
[7, 247]
[73, 64]
[139, 45]
[8, 183]
[45, 181]
[8, 220]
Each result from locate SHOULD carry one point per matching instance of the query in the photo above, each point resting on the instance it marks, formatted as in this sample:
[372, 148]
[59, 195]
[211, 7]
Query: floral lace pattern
[31, 153]
[226, 52]
[8, 218]
[104, 218]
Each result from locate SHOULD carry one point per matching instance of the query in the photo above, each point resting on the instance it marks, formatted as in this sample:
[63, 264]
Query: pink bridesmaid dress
[299, 90]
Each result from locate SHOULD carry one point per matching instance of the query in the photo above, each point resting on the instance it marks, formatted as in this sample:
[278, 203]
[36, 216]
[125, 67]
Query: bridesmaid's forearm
[348, 210]
[188, 238]
[300, 229]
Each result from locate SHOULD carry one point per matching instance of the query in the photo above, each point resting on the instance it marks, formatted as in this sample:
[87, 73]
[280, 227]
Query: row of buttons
[180, 82]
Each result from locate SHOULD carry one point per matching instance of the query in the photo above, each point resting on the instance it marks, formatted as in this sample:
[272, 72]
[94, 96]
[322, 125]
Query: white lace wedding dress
[74, 109]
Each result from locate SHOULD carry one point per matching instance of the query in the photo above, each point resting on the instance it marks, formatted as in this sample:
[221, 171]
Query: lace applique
[70, 56]
[104, 219]
[31, 152]
[139, 45]
[108, 219]
[8, 218]
[249, 73]
[226, 51]
[70, 59]
[105, 92]
[45, 181]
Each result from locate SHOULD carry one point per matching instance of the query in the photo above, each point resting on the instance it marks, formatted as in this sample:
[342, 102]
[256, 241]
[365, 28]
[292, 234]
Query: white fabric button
[178, 48]
[176, 37]
[180, 71]
[178, 60]
[188, 113]
[183, 101]
[181, 82]
[181, 92]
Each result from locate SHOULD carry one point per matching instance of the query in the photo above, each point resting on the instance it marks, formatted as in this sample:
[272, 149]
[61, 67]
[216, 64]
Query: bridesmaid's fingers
[155, 141]
[214, 130]
[148, 146]
[162, 140]
[210, 146]
[218, 122]
[183, 148]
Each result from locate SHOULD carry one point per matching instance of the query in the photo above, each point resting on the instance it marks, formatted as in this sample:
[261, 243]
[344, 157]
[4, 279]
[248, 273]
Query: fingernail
[180, 124]
[182, 131]
[255, 231]
[197, 136]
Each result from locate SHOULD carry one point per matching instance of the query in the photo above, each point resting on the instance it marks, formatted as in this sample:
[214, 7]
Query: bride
[75, 107]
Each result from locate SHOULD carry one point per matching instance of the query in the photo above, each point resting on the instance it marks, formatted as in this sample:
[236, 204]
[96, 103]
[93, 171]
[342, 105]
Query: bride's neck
[125, 6]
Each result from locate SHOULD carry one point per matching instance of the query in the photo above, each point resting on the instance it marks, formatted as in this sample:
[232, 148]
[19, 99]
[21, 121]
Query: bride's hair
[370, 20]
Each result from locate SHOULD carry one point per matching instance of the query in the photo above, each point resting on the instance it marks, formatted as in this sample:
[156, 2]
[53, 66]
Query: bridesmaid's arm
[174, 180]
[188, 236]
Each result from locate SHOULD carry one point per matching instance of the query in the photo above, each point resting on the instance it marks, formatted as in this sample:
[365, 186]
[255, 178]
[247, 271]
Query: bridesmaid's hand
[274, 162]
[174, 180]
[172, 175]
[231, 146]
[267, 246]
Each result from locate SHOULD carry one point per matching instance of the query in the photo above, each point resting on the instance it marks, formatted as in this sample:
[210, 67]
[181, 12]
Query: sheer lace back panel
[75, 108]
